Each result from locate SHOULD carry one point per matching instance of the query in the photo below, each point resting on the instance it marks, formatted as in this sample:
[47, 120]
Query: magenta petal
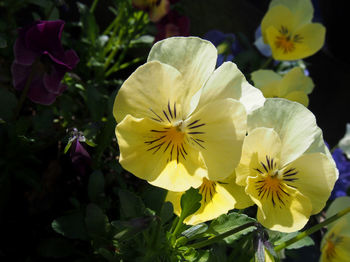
[20, 74]
[23, 55]
[52, 81]
[39, 94]
[71, 58]
[46, 36]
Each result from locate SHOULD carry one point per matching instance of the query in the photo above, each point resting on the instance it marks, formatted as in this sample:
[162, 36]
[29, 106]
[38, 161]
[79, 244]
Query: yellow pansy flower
[294, 85]
[285, 166]
[218, 197]
[156, 9]
[288, 29]
[178, 119]
[336, 242]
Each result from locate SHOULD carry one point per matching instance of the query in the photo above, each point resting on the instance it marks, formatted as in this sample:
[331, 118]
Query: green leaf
[304, 242]
[194, 231]
[71, 226]
[130, 204]
[96, 221]
[66, 148]
[55, 248]
[190, 203]
[96, 186]
[167, 212]
[228, 222]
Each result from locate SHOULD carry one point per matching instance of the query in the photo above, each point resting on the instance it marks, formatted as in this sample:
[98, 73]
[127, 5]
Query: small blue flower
[227, 45]
[343, 182]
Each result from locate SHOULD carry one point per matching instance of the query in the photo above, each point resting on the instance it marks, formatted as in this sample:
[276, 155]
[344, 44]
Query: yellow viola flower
[336, 242]
[218, 197]
[156, 9]
[294, 85]
[288, 30]
[285, 167]
[178, 119]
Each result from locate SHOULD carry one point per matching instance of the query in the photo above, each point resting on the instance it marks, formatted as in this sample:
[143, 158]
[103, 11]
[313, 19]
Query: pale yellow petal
[147, 92]
[143, 153]
[195, 58]
[252, 98]
[288, 216]
[258, 144]
[272, 90]
[311, 168]
[264, 77]
[293, 122]
[224, 197]
[296, 80]
[336, 206]
[218, 135]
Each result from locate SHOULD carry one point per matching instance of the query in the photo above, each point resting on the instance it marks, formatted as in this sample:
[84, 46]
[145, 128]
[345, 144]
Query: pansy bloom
[41, 62]
[156, 9]
[282, 157]
[294, 85]
[288, 29]
[336, 242]
[178, 119]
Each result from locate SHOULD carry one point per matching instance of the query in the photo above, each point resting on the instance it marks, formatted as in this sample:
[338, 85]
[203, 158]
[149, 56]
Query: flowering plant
[131, 130]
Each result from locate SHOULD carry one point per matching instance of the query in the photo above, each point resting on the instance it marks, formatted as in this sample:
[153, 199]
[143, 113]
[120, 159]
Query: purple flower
[173, 24]
[343, 182]
[41, 62]
[227, 45]
[81, 159]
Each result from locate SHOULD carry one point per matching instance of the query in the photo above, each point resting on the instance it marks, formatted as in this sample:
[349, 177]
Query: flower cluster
[181, 124]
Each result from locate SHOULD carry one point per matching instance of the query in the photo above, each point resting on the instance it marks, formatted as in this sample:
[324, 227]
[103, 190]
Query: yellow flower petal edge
[292, 121]
[227, 81]
[287, 28]
[218, 197]
[194, 57]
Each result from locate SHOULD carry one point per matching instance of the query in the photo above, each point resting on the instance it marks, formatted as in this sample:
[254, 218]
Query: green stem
[312, 229]
[221, 236]
[93, 6]
[267, 63]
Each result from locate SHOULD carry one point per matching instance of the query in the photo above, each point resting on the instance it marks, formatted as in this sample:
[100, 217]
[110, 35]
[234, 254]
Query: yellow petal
[301, 9]
[258, 144]
[291, 121]
[147, 92]
[277, 17]
[311, 168]
[145, 157]
[195, 58]
[313, 39]
[264, 77]
[288, 216]
[298, 96]
[224, 196]
[220, 136]
[296, 80]
[227, 81]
